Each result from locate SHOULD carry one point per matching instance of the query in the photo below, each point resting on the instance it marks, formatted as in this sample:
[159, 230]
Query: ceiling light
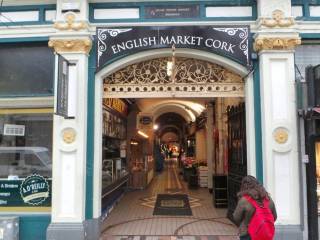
[143, 134]
[156, 127]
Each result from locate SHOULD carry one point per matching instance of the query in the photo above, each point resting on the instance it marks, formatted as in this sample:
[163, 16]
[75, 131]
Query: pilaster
[73, 41]
[275, 42]
[210, 143]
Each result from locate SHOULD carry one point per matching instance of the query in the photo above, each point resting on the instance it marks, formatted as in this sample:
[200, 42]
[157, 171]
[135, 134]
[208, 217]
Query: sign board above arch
[231, 42]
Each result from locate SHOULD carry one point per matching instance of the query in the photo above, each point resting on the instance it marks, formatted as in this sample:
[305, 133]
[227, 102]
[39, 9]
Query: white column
[279, 133]
[250, 126]
[69, 151]
[210, 146]
[73, 41]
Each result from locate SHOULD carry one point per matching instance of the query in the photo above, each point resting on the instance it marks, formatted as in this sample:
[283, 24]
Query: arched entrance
[239, 85]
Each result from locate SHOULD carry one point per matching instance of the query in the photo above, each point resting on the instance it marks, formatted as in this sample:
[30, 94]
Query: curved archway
[167, 52]
[147, 55]
[188, 115]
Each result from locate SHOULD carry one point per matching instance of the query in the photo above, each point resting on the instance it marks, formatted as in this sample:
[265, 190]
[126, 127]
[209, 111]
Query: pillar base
[87, 230]
[292, 232]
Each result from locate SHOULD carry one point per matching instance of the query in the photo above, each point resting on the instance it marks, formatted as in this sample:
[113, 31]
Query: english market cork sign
[115, 43]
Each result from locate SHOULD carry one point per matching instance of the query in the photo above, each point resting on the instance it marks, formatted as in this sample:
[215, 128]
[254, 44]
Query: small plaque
[175, 11]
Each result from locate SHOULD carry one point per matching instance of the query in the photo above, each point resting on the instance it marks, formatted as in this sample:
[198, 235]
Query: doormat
[173, 205]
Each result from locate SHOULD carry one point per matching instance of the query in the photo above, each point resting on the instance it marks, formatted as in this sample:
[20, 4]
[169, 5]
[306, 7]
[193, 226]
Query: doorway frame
[311, 181]
[159, 53]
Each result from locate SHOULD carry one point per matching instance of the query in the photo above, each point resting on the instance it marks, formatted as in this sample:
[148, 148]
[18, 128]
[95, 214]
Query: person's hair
[251, 186]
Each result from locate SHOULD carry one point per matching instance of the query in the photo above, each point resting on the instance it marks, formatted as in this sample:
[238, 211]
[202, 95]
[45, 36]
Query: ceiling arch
[189, 110]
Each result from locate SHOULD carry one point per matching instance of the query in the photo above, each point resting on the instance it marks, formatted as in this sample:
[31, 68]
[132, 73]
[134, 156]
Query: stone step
[170, 238]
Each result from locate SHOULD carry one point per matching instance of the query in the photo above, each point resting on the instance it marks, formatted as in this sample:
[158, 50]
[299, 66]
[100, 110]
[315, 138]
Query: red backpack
[261, 226]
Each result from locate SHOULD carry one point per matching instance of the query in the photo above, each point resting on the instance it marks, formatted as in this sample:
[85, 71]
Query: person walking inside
[255, 213]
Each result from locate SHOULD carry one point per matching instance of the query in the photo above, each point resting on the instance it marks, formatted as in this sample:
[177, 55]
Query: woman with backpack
[255, 213]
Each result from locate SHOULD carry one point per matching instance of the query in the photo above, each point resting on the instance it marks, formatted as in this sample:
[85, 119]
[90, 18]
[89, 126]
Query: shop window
[27, 69]
[25, 153]
[114, 141]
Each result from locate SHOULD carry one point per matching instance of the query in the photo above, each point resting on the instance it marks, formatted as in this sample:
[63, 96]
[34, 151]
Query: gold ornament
[276, 43]
[71, 45]
[69, 136]
[281, 135]
[277, 20]
[70, 23]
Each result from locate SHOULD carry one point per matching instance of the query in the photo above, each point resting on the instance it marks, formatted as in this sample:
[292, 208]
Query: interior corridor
[132, 217]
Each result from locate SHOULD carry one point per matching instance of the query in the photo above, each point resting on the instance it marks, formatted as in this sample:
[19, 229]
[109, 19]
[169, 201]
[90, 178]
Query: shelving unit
[203, 176]
[220, 191]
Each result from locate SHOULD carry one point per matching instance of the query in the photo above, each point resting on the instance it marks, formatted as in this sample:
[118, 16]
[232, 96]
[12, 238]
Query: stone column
[275, 43]
[210, 143]
[72, 40]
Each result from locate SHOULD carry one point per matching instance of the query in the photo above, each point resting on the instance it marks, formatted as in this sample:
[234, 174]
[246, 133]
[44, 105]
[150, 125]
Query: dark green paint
[33, 227]
[40, 8]
[202, 4]
[257, 119]
[90, 134]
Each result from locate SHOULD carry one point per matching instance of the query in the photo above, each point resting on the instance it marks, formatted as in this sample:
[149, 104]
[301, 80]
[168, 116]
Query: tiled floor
[132, 218]
[172, 238]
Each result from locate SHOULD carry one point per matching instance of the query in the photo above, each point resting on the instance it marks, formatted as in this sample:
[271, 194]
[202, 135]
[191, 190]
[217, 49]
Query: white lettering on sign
[135, 43]
[183, 40]
[173, 40]
[214, 43]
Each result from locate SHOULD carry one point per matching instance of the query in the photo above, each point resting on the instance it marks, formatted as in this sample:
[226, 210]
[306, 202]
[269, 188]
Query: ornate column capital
[276, 43]
[82, 45]
[277, 20]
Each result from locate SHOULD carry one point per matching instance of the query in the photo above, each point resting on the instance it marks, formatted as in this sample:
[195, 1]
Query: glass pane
[28, 69]
[113, 158]
[25, 144]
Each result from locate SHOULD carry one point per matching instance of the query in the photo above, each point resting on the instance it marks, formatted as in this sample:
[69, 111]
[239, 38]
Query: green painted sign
[34, 190]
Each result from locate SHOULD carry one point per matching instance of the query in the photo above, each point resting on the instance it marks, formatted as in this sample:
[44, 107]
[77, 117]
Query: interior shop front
[155, 149]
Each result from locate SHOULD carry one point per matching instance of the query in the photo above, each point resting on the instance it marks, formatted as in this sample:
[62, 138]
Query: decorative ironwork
[237, 152]
[191, 75]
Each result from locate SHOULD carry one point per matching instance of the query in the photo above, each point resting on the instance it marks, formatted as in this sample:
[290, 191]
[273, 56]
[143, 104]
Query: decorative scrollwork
[191, 75]
[102, 35]
[187, 71]
[243, 34]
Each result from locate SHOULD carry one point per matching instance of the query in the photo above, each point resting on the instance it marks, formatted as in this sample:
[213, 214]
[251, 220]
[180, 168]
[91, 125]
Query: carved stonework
[69, 135]
[71, 45]
[278, 20]
[281, 135]
[266, 43]
[70, 23]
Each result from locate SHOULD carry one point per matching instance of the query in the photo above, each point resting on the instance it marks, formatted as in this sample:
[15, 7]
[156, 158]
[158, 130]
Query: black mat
[173, 205]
